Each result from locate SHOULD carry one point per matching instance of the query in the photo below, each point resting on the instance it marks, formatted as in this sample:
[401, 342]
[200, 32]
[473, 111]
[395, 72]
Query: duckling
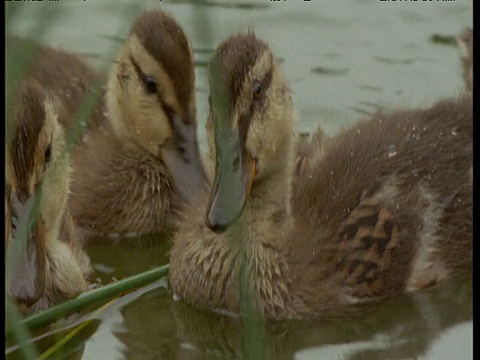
[123, 178]
[465, 43]
[45, 261]
[385, 208]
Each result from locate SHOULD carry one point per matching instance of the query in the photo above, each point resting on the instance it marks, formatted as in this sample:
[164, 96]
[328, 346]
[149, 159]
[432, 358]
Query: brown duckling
[386, 207]
[45, 260]
[123, 181]
[465, 43]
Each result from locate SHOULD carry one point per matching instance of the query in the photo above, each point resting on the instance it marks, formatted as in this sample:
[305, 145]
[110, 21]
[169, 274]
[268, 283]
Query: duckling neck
[267, 211]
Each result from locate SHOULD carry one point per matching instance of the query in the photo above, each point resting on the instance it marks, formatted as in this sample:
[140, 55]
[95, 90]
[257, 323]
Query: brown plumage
[62, 75]
[46, 263]
[381, 208]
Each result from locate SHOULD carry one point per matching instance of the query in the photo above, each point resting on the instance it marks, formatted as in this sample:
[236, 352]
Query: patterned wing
[367, 240]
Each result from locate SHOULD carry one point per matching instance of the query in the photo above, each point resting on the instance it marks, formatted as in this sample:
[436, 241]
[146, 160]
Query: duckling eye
[150, 84]
[257, 90]
[48, 154]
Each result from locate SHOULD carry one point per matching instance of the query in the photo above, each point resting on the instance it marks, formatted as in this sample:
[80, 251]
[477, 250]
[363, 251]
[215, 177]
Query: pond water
[344, 59]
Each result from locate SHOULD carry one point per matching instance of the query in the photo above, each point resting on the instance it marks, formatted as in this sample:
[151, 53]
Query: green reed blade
[88, 299]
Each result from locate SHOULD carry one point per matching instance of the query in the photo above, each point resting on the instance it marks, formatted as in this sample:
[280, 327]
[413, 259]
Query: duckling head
[152, 82]
[37, 183]
[151, 97]
[252, 120]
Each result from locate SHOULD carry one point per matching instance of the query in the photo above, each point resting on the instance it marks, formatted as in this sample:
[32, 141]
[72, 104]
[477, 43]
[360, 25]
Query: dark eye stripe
[145, 79]
[245, 118]
[166, 108]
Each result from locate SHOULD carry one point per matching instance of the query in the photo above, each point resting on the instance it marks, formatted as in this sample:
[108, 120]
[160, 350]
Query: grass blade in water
[101, 295]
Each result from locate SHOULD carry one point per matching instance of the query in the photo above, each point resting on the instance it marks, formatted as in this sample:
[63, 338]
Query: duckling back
[62, 75]
[393, 195]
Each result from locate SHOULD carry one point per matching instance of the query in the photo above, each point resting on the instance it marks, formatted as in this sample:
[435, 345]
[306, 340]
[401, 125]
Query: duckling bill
[234, 170]
[26, 257]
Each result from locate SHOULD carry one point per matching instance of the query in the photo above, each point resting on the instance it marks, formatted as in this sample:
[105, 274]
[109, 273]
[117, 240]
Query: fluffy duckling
[45, 261]
[386, 206]
[465, 43]
[123, 169]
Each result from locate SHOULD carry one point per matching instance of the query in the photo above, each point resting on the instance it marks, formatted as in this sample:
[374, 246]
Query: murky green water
[343, 59]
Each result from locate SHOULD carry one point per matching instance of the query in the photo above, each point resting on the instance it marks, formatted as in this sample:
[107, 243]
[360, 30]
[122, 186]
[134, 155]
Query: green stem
[103, 294]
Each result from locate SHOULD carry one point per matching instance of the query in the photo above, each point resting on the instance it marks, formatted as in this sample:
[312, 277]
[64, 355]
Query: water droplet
[351, 154]
[358, 131]
[415, 172]
[392, 151]
[454, 131]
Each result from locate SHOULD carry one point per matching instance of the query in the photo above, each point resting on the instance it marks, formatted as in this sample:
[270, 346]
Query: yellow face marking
[149, 66]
